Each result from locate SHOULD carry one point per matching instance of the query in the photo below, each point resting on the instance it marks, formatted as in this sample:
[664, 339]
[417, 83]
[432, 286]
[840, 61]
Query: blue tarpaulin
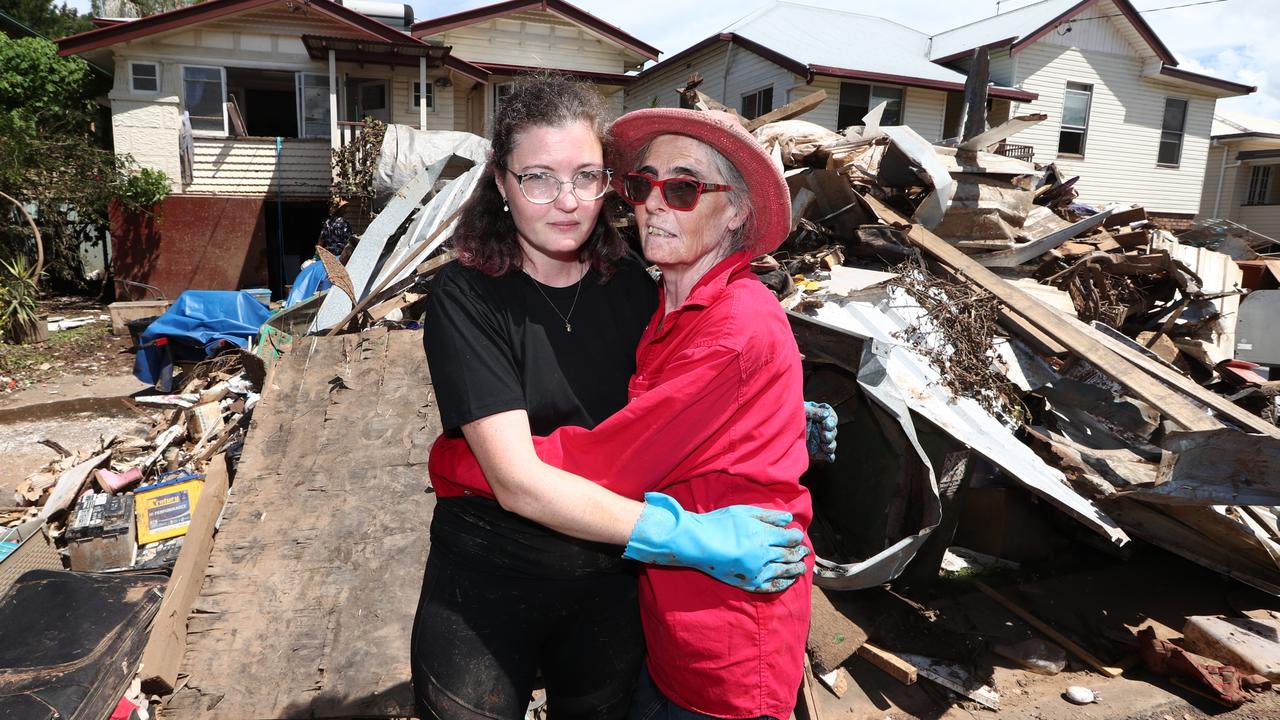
[310, 281]
[199, 325]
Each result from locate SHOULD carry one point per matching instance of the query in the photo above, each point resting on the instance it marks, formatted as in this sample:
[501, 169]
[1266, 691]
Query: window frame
[498, 93]
[1082, 129]
[756, 95]
[299, 92]
[133, 87]
[415, 95]
[222, 74]
[871, 90]
[1182, 133]
[1261, 181]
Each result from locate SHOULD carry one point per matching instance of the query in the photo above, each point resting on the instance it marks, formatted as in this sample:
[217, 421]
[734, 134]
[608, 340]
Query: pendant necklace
[563, 316]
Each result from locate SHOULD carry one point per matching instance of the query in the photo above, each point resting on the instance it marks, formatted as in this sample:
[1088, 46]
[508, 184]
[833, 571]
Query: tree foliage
[51, 20]
[49, 157]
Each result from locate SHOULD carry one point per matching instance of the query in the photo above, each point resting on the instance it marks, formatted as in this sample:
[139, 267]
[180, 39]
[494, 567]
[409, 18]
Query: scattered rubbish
[1080, 695]
[164, 509]
[956, 679]
[1224, 683]
[1034, 654]
[1251, 644]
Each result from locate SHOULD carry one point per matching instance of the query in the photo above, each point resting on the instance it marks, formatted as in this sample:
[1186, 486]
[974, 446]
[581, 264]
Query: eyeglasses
[543, 188]
[679, 193]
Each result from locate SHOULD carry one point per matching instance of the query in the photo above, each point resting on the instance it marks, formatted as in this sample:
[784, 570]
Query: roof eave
[1005, 42]
[925, 83]
[200, 12]
[604, 78]
[1251, 135]
[1233, 89]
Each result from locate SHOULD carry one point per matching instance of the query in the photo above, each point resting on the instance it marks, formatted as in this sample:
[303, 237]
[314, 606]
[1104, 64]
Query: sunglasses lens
[637, 188]
[680, 194]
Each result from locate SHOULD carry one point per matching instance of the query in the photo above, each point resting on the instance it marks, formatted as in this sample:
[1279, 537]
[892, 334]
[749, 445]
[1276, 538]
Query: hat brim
[769, 194]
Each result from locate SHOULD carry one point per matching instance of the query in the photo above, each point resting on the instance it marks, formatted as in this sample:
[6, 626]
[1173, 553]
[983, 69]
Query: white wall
[1125, 119]
[537, 39]
[747, 72]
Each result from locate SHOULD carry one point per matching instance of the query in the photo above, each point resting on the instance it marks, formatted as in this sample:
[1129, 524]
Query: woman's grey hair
[738, 197]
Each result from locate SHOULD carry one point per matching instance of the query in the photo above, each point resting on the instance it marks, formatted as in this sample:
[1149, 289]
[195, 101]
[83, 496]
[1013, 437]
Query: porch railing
[1026, 153]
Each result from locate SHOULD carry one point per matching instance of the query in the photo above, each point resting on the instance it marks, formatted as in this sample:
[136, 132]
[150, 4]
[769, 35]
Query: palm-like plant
[19, 315]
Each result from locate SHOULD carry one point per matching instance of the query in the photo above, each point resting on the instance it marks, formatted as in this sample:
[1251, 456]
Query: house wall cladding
[1125, 118]
[250, 167]
[747, 72]
[149, 132]
[923, 110]
[536, 38]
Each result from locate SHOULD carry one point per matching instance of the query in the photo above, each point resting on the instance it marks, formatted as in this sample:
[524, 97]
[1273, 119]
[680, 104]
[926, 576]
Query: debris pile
[127, 503]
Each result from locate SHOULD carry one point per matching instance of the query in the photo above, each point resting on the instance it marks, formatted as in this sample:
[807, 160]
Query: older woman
[714, 418]
[532, 330]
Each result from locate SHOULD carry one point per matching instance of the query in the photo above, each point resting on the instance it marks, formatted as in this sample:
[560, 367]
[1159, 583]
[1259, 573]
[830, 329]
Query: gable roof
[1019, 28]
[556, 7]
[200, 12]
[809, 41]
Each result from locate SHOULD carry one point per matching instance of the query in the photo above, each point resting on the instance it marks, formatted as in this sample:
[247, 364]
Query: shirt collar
[711, 284]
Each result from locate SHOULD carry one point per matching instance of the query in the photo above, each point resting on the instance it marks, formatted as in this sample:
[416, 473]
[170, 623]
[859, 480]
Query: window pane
[203, 96]
[766, 100]
[1170, 152]
[853, 104]
[145, 77]
[749, 109]
[315, 105]
[1071, 142]
[1075, 109]
[893, 110]
[1175, 115]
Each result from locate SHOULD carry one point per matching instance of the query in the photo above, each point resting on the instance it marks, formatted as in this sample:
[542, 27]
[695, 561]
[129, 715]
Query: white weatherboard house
[273, 86]
[1122, 115]
[1242, 179]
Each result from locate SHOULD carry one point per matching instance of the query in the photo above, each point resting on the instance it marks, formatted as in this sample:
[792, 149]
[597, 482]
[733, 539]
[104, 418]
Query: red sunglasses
[678, 192]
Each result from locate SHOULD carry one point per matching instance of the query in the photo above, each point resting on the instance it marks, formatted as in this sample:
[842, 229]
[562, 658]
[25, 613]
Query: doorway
[368, 98]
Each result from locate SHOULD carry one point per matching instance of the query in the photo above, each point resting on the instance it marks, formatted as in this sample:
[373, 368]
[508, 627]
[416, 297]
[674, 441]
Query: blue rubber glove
[820, 431]
[741, 545]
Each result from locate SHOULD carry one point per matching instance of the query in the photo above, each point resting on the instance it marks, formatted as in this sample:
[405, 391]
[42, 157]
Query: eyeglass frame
[661, 185]
[520, 178]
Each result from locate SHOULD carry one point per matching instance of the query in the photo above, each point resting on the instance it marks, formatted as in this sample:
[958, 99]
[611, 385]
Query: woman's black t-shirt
[496, 344]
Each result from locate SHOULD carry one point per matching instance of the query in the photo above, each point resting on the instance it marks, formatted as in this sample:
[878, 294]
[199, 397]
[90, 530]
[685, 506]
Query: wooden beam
[1084, 345]
[168, 641]
[1049, 632]
[897, 668]
[975, 94]
[790, 110]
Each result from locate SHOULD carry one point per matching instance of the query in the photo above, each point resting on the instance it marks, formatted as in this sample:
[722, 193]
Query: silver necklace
[563, 316]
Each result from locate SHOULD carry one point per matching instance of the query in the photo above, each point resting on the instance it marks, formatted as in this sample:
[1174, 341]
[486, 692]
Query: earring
[505, 208]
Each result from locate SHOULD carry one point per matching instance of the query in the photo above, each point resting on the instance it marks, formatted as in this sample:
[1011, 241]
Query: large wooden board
[309, 598]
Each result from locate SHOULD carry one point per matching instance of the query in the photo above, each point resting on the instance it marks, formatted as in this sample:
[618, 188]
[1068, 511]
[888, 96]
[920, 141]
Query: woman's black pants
[480, 637]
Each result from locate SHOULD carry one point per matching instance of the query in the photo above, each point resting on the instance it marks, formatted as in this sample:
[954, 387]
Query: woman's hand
[820, 431]
[741, 545]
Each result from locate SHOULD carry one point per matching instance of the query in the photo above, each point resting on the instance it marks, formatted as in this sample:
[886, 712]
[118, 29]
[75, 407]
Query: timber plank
[313, 582]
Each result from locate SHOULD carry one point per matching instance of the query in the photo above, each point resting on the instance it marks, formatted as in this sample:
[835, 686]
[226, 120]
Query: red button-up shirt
[715, 418]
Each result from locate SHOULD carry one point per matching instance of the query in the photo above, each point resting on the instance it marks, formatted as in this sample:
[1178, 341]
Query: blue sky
[1231, 39]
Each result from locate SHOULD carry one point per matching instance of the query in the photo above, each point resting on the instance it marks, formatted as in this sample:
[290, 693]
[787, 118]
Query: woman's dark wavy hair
[485, 238]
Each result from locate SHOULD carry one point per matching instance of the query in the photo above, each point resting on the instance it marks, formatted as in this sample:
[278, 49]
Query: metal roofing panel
[819, 36]
[1013, 24]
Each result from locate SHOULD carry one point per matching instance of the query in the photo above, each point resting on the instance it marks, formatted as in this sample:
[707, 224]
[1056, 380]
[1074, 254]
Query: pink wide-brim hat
[770, 197]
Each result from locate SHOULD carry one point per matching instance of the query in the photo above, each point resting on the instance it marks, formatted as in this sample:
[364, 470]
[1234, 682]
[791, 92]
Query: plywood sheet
[309, 598]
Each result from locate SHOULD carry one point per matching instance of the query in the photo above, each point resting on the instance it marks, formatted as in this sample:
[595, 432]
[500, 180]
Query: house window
[1262, 189]
[1175, 123]
[856, 100]
[204, 94]
[144, 77]
[685, 102]
[1075, 118]
[418, 96]
[500, 93]
[312, 91]
[757, 103]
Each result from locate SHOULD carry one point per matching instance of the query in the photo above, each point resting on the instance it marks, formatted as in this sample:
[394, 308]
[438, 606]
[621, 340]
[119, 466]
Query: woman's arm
[525, 485]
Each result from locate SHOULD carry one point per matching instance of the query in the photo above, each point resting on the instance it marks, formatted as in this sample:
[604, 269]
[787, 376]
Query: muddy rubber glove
[741, 545]
[820, 431]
